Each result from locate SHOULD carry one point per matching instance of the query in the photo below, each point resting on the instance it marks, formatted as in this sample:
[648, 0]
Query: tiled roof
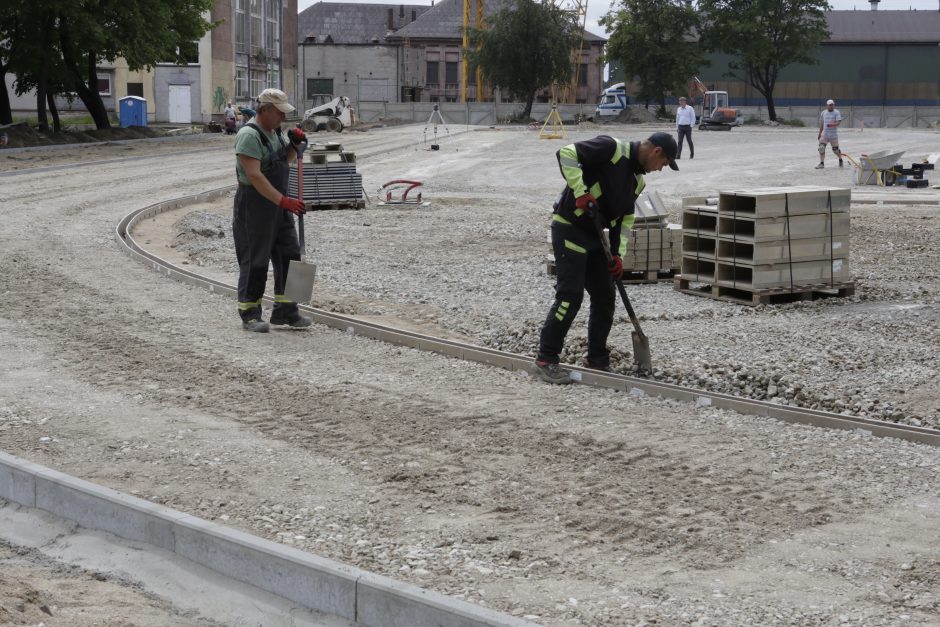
[349, 23]
[445, 19]
[865, 26]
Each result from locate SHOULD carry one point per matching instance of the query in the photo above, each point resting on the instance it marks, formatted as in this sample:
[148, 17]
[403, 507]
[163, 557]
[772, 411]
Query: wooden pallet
[631, 277]
[772, 296]
[638, 277]
[351, 204]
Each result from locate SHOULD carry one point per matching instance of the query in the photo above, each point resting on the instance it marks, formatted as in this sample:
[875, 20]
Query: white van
[613, 100]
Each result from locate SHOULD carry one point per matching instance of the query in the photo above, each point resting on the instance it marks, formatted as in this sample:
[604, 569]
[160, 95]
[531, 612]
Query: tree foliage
[653, 41]
[525, 47]
[764, 36]
[55, 46]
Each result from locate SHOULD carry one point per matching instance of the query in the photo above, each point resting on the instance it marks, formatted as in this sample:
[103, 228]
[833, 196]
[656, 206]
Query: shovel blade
[300, 278]
[641, 352]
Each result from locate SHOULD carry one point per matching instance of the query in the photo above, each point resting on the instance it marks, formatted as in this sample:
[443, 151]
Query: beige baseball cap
[276, 97]
[829, 102]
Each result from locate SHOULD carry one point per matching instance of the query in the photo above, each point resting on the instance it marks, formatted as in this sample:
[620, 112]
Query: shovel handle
[605, 244]
[300, 148]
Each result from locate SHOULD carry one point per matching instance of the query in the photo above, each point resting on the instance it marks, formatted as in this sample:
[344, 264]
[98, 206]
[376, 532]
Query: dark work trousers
[264, 233]
[685, 132]
[580, 265]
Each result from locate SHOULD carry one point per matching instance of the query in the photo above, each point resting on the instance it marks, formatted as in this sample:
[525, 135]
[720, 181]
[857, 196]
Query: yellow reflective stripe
[625, 228]
[559, 317]
[245, 306]
[618, 152]
[572, 246]
[280, 298]
[558, 218]
[562, 310]
[596, 190]
[571, 169]
[640, 184]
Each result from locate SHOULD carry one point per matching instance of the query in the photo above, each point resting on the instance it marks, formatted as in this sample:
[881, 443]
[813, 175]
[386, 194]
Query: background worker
[245, 113]
[685, 120]
[604, 176]
[262, 225]
[829, 120]
[230, 119]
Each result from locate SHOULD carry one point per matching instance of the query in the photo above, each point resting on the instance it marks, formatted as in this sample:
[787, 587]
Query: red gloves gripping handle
[294, 205]
[586, 203]
[616, 267]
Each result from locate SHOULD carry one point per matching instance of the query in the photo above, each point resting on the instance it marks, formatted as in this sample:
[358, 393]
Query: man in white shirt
[685, 120]
[829, 121]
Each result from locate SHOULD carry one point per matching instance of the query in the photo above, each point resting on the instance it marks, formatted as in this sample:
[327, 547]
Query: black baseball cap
[668, 143]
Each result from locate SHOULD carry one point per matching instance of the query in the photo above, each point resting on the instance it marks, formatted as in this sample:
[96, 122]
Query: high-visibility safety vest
[605, 167]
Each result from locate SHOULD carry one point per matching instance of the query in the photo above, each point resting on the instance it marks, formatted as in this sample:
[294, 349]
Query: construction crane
[578, 8]
[464, 66]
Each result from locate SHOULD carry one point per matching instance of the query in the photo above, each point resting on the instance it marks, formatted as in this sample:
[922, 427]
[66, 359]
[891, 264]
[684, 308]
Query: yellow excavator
[713, 112]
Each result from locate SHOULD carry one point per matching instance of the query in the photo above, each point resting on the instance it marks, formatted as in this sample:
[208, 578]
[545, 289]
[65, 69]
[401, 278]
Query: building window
[272, 34]
[241, 83]
[471, 74]
[258, 82]
[432, 77]
[452, 73]
[135, 89]
[319, 86]
[241, 27]
[104, 85]
[583, 75]
[255, 26]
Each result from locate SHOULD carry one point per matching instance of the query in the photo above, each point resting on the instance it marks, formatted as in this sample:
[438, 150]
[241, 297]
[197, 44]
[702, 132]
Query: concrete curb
[313, 582]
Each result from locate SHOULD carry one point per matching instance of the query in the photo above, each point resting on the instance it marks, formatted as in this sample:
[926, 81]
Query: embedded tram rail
[511, 361]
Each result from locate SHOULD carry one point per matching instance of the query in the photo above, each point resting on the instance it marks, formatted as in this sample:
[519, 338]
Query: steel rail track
[511, 361]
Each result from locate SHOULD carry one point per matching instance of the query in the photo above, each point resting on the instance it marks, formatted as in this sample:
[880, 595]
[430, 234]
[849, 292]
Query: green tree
[764, 36]
[55, 46]
[526, 46]
[653, 41]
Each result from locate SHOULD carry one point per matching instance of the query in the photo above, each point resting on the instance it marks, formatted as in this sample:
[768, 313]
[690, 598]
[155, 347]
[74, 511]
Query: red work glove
[586, 203]
[615, 267]
[294, 205]
[296, 136]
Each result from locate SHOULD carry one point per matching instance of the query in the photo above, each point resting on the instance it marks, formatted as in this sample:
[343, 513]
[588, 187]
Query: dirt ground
[565, 506]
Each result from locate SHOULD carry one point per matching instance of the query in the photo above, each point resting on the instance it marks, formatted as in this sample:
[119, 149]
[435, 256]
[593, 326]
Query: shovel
[641, 344]
[300, 274]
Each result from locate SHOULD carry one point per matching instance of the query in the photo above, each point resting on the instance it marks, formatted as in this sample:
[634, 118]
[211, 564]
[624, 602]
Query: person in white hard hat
[829, 121]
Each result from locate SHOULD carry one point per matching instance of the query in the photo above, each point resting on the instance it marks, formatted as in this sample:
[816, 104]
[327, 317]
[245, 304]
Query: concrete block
[749, 229]
[699, 246]
[311, 581]
[97, 507]
[700, 220]
[699, 270]
[18, 480]
[772, 202]
[813, 249]
[383, 602]
[763, 276]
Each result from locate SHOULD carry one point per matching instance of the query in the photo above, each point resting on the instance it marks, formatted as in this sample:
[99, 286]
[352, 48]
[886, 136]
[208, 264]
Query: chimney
[874, 4]
[414, 15]
[401, 10]
[391, 19]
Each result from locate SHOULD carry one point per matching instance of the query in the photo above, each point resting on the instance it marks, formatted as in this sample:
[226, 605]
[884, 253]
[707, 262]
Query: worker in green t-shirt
[262, 224]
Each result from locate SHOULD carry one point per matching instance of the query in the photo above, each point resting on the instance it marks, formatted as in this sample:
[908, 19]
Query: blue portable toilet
[133, 111]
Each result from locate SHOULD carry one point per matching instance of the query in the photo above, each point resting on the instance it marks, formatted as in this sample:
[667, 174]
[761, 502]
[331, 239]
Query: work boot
[840, 163]
[295, 322]
[820, 166]
[256, 325]
[593, 365]
[551, 373]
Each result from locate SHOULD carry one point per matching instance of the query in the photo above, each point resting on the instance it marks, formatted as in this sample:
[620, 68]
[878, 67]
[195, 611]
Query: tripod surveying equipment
[434, 119]
[557, 129]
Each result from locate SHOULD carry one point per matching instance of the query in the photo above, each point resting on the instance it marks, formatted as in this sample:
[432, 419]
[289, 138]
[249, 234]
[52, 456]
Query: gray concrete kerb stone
[314, 582]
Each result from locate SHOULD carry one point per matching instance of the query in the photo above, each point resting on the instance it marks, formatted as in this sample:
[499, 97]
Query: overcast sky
[598, 8]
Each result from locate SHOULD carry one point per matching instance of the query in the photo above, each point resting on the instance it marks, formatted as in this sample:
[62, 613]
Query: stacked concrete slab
[330, 178]
[653, 245]
[767, 240]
